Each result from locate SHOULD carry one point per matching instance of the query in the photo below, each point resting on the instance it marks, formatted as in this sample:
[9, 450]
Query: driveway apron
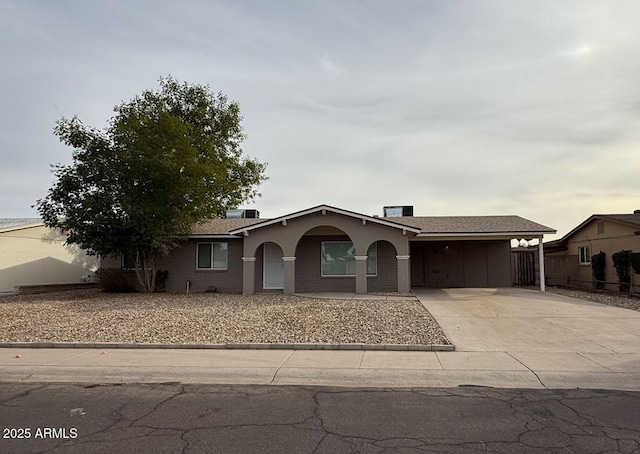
[532, 323]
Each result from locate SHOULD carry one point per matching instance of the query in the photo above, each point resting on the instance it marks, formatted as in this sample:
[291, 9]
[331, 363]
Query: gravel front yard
[602, 298]
[91, 316]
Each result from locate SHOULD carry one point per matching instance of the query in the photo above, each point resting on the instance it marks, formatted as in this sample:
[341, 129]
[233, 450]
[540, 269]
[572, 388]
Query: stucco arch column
[404, 266]
[289, 244]
[361, 274]
[404, 273]
[289, 275]
[248, 275]
[541, 261]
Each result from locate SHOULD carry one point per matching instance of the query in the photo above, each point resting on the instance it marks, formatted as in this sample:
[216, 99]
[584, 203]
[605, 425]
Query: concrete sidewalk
[320, 367]
[509, 338]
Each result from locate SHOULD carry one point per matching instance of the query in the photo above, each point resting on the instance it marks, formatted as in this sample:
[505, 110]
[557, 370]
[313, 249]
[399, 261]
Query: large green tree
[168, 160]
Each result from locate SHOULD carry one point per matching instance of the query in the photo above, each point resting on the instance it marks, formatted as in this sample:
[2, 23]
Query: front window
[338, 259]
[212, 256]
[129, 261]
[585, 256]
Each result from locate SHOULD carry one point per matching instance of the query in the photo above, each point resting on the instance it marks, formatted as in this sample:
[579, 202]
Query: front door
[273, 267]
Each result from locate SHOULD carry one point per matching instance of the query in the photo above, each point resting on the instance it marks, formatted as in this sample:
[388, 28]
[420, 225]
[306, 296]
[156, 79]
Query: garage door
[461, 264]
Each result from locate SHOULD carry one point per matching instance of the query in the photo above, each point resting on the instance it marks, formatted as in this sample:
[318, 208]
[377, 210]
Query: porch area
[326, 251]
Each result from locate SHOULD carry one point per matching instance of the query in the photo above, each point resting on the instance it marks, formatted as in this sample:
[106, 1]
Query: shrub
[598, 267]
[622, 262]
[635, 261]
[161, 280]
[113, 280]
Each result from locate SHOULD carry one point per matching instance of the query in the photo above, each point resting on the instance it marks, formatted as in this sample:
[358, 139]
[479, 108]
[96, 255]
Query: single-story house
[568, 260]
[331, 249]
[33, 254]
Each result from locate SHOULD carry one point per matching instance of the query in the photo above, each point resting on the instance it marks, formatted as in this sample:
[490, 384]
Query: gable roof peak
[628, 219]
[327, 208]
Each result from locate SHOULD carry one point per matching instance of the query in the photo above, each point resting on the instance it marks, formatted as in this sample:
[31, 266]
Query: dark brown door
[417, 264]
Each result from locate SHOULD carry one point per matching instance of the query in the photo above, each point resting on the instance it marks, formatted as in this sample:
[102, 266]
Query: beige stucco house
[328, 249]
[36, 255]
[568, 260]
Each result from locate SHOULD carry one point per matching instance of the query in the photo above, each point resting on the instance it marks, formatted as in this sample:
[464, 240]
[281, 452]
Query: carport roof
[475, 225]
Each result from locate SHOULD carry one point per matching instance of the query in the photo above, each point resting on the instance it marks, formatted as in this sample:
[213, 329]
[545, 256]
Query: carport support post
[248, 275]
[361, 274]
[404, 285]
[289, 275]
[541, 267]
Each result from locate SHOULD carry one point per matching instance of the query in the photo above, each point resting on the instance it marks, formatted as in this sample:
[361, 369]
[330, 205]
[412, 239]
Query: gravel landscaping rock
[602, 298]
[91, 316]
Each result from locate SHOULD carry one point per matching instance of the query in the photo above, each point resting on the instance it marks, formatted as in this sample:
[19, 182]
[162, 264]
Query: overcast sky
[454, 107]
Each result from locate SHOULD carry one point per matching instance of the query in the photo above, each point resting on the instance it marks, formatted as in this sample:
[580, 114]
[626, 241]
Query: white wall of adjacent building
[35, 254]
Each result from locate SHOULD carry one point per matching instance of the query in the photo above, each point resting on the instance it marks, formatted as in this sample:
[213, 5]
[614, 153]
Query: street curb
[249, 346]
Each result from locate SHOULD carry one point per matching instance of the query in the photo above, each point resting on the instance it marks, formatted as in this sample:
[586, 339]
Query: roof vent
[398, 211]
[243, 213]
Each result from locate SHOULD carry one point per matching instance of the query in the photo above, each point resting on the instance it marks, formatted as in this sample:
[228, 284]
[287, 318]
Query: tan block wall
[561, 269]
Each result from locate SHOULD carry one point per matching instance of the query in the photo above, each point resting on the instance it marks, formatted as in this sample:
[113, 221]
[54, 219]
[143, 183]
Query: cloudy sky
[455, 107]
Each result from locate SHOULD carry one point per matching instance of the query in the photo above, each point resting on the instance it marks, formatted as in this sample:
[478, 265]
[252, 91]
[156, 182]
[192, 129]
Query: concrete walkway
[504, 338]
[355, 296]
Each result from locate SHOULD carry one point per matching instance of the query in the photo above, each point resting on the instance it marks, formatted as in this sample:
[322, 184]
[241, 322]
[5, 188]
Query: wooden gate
[523, 267]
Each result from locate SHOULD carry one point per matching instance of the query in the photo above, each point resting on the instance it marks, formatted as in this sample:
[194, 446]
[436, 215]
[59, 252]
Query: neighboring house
[330, 249]
[33, 254]
[568, 260]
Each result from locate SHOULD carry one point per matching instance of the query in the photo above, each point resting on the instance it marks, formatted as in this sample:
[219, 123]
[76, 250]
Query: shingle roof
[427, 224]
[15, 222]
[14, 227]
[474, 224]
[631, 219]
[223, 226]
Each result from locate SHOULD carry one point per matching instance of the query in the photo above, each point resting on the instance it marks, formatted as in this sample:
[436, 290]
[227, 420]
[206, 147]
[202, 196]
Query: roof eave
[13, 228]
[493, 235]
[204, 236]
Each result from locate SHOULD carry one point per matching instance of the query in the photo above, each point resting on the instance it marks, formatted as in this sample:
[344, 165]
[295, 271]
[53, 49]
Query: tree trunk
[146, 270]
[154, 270]
[139, 268]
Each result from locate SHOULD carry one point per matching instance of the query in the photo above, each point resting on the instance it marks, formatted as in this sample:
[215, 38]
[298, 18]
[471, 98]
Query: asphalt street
[176, 418]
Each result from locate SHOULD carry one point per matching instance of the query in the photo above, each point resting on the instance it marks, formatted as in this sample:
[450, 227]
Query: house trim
[201, 236]
[479, 235]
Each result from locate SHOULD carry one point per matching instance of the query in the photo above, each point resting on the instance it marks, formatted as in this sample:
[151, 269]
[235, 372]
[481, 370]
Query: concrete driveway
[542, 331]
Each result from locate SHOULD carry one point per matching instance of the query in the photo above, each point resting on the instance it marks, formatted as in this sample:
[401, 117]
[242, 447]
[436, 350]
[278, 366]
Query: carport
[446, 264]
[468, 251]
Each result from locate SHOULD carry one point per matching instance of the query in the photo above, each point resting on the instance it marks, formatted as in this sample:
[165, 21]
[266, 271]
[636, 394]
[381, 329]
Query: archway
[382, 267]
[325, 261]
